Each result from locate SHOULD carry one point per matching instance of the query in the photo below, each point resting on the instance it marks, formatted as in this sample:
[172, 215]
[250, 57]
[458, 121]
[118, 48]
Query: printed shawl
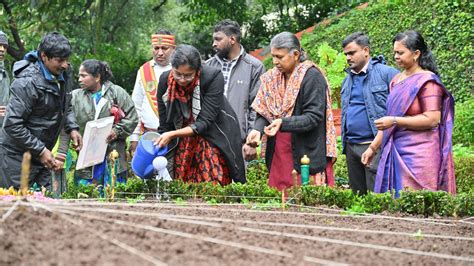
[274, 101]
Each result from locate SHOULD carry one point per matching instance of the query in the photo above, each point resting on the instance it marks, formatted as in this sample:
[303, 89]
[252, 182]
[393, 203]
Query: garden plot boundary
[205, 206]
[68, 210]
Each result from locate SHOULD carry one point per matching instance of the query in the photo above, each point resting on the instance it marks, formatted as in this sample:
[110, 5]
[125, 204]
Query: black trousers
[361, 178]
[10, 171]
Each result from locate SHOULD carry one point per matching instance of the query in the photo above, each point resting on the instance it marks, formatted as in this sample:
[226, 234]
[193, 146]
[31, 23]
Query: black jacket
[307, 124]
[244, 81]
[216, 122]
[37, 110]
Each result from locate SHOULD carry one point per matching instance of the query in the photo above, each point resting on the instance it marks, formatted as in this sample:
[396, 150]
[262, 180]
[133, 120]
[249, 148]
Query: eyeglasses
[189, 76]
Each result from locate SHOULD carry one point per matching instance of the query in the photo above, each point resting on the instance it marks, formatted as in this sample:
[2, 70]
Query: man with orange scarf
[144, 92]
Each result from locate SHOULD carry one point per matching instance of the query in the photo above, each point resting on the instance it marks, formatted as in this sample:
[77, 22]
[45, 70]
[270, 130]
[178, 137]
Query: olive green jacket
[85, 111]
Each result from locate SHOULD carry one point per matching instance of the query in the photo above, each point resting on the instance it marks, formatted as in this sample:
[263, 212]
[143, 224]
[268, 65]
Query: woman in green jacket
[99, 98]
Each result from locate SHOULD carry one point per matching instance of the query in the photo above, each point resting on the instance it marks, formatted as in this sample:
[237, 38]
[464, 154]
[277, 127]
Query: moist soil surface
[152, 233]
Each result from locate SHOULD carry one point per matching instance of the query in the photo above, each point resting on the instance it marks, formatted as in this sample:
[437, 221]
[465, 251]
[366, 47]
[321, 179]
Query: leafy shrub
[463, 132]
[76, 191]
[377, 202]
[464, 169]
[268, 63]
[459, 150]
[341, 174]
[425, 203]
[124, 66]
[333, 63]
[256, 190]
[428, 203]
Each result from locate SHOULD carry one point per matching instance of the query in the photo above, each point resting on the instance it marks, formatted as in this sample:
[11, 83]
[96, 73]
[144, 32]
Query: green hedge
[425, 203]
[446, 25]
[464, 169]
[256, 190]
[463, 132]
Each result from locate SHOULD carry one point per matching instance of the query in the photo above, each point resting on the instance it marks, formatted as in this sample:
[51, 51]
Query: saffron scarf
[180, 97]
[274, 101]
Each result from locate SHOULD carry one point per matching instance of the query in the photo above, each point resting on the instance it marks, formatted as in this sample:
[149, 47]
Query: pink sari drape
[417, 159]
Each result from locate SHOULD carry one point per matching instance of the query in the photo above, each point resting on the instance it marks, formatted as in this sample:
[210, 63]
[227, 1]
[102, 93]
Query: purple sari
[419, 159]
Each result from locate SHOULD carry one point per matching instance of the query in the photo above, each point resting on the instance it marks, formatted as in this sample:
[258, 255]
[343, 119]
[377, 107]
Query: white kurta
[147, 116]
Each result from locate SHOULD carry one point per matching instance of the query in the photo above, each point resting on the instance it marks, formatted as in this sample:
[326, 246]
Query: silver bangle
[394, 120]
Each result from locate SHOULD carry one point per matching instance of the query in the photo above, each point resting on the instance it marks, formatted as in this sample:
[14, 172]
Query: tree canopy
[118, 31]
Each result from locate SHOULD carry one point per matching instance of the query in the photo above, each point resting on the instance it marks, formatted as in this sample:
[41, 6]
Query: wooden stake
[294, 173]
[283, 203]
[113, 157]
[25, 173]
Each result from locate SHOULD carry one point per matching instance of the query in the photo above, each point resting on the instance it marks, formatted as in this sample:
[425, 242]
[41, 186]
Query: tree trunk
[19, 52]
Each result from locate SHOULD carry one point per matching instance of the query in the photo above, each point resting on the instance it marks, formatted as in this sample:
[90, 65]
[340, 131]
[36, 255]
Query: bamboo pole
[25, 173]
[283, 201]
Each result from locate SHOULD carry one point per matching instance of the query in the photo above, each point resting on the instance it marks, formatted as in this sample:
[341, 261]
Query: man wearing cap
[4, 80]
[241, 75]
[144, 92]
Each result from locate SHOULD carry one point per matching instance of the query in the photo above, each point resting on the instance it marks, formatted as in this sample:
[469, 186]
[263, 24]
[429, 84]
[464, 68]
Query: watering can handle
[160, 151]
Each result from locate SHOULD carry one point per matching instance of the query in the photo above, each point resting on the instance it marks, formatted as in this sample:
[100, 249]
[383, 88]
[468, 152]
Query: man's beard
[224, 53]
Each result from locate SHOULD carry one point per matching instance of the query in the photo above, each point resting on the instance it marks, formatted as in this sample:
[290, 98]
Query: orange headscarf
[163, 39]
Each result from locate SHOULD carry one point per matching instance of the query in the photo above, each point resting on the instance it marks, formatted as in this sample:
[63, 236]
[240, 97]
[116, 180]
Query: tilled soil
[98, 233]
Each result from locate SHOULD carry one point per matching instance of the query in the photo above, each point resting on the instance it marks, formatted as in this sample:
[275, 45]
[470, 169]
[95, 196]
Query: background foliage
[463, 132]
[446, 26]
[114, 31]
[260, 19]
[118, 31]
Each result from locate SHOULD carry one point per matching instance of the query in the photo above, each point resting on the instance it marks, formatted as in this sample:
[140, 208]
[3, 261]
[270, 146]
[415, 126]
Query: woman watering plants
[291, 107]
[415, 136]
[197, 122]
[99, 98]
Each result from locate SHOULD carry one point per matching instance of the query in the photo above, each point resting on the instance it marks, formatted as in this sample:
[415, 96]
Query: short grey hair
[289, 41]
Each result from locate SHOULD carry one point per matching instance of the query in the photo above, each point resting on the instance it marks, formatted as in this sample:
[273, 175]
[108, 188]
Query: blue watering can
[142, 162]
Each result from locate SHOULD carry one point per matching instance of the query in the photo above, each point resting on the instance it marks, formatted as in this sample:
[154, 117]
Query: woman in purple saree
[416, 134]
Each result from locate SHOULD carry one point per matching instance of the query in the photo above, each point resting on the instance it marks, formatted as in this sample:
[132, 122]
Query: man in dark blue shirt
[364, 94]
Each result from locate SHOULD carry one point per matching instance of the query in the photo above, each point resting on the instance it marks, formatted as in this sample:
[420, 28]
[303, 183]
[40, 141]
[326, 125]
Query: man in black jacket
[39, 107]
[241, 73]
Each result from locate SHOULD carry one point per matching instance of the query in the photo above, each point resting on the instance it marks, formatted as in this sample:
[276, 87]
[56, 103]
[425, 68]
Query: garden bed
[185, 233]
